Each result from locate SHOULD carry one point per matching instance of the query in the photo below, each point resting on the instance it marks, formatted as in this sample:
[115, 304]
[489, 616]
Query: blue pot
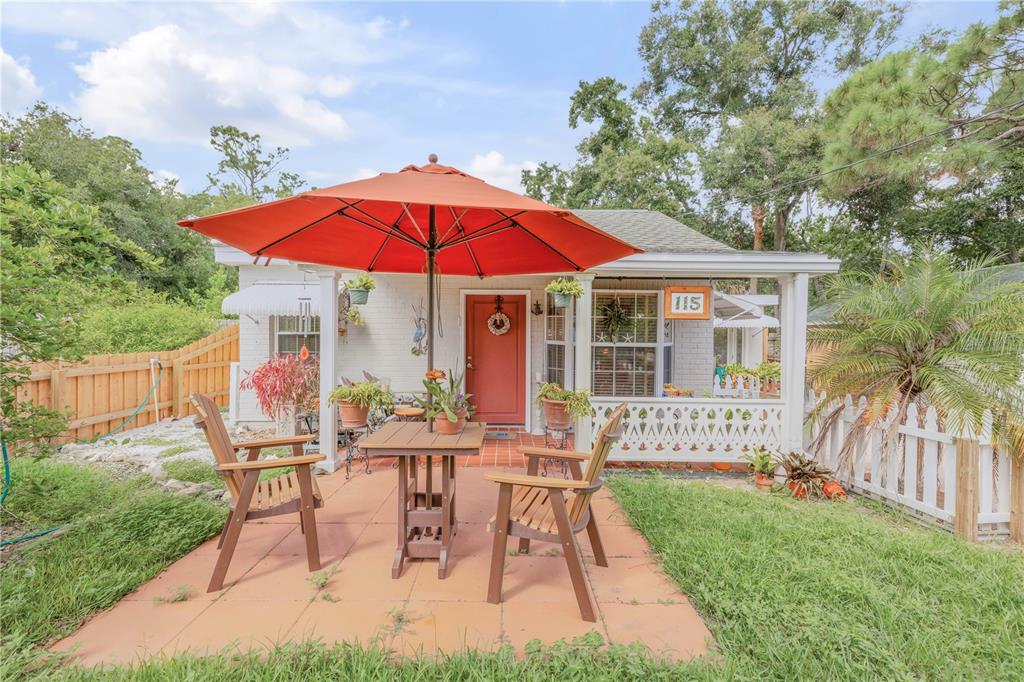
[358, 296]
[562, 300]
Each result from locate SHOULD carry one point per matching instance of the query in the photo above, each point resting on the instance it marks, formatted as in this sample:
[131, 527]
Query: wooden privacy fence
[962, 482]
[101, 391]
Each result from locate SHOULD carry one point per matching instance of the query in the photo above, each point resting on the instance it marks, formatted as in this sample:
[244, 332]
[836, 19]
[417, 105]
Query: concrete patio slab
[269, 597]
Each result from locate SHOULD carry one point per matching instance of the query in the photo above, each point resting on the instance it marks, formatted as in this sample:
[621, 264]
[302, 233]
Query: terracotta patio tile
[375, 540]
[363, 622]
[633, 580]
[367, 577]
[618, 541]
[239, 625]
[466, 581]
[536, 579]
[275, 578]
[608, 512]
[330, 484]
[194, 570]
[673, 631]
[334, 540]
[354, 505]
[129, 631]
[256, 538]
[549, 622]
[447, 627]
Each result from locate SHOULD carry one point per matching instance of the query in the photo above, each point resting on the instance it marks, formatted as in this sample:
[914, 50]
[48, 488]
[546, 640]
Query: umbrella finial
[432, 158]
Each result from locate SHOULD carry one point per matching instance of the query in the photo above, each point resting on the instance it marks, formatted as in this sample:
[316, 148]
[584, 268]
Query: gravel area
[148, 449]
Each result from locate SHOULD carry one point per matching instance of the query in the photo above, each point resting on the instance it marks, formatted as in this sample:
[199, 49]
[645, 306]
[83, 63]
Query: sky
[351, 89]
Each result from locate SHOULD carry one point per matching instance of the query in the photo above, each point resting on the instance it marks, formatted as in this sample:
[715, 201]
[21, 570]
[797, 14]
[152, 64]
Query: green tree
[108, 173]
[955, 115]
[735, 77]
[624, 163]
[246, 170]
[55, 257]
[929, 332]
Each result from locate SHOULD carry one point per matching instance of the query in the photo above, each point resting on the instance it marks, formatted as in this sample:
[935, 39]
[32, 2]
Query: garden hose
[7, 462]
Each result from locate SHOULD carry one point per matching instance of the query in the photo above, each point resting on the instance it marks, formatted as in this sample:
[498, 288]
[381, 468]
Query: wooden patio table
[426, 520]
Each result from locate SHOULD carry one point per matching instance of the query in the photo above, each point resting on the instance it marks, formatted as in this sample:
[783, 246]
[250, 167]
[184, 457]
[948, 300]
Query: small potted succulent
[359, 288]
[805, 478]
[562, 406]
[564, 290]
[356, 399]
[446, 402]
[763, 464]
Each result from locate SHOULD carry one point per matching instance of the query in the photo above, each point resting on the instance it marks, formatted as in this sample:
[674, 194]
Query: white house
[285, 305]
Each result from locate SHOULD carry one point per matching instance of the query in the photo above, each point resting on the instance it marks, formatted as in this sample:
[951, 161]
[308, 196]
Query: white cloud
[364, 173]
[18, 87]
[67, 45]
[495, 169]
[335, 87]
[166, 85]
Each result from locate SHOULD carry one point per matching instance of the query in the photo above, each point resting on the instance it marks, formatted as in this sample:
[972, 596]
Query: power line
[904, 145]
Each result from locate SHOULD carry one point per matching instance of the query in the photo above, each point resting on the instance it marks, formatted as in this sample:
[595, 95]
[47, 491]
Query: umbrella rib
[259, 251]
[476, 235]
[480, 232]
[472, 256]
[380, 249]
[553, 249]
[456, 224]
[405, 208]
[381, 225]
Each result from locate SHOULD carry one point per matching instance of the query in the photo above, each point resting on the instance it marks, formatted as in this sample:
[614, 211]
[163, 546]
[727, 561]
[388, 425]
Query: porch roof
[274, 298]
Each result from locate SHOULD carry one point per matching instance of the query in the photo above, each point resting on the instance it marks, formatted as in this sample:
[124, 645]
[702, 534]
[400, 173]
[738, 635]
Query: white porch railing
[918, 470]
[692, 429]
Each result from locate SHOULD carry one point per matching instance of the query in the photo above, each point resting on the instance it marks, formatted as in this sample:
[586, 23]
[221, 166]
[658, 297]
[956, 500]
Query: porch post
[328, 354]
[581, 368]
[794, 357]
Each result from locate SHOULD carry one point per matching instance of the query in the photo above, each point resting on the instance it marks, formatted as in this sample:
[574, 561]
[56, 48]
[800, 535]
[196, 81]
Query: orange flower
[304, 353]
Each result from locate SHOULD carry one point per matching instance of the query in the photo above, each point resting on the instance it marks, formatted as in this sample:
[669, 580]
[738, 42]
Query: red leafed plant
[283, 381]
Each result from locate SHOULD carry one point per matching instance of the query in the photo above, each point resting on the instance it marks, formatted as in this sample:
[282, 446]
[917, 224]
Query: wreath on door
[498, 323]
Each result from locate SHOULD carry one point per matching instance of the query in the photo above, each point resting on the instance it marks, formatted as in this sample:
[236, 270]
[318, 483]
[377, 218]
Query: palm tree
[929, 332]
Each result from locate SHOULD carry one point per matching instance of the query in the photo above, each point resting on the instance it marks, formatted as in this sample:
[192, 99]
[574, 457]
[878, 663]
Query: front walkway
[270, 598]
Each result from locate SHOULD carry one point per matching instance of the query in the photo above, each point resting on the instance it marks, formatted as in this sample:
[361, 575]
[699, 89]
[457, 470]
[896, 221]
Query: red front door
[496, 364]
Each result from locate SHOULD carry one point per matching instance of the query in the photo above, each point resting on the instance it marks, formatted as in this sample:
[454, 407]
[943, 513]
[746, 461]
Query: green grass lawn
[806, 591]
[114, 536]
[791, 591]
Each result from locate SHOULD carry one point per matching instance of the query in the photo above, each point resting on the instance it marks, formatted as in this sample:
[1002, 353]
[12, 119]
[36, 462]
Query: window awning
[274, 298]
[736, 311]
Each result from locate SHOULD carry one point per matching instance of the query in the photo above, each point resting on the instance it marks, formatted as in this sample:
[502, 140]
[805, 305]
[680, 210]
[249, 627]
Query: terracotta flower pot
[555, 415]
[352, 414]
[763, 481]
[446, 426]
[833, 490]
[799, 490]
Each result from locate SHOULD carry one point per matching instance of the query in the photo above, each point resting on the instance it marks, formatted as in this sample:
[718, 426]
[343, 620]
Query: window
[558, 331]
[667, 337]
[292, 332]
[626, 365]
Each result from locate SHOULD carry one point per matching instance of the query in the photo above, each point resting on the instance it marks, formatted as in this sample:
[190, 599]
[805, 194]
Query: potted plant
[805, 478]
[283, 383]
[763, 464]
[446, 402]
[359, 288]
[564, 290]
[356, 399]
[770, 375]
[562, 407]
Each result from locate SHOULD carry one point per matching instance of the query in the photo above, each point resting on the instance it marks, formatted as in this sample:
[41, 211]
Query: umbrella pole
[431, 253]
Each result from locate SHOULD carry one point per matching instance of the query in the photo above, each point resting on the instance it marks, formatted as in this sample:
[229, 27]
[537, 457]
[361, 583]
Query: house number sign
[687, 303]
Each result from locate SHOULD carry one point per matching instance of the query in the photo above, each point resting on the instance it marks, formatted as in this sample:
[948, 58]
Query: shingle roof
[652, 231]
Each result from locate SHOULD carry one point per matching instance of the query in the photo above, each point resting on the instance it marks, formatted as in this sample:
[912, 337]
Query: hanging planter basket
[358, 296]
[562, 300]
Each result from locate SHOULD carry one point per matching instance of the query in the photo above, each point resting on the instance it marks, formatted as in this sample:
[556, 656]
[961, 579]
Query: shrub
[283, 381]
[141, 327]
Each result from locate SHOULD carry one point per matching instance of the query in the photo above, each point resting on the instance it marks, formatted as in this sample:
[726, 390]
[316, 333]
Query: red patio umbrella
[422, 219]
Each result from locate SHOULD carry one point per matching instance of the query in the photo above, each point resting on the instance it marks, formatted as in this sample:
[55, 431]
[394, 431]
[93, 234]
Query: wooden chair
[252, 498]
[534, 507]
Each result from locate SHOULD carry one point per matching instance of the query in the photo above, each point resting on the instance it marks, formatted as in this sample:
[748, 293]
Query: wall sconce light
[537, 310]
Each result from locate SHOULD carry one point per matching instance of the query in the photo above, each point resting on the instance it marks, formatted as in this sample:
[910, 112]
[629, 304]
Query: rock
[173, 485]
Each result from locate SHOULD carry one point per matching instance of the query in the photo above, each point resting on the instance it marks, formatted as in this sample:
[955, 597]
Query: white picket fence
[916, 469]
[692, 429]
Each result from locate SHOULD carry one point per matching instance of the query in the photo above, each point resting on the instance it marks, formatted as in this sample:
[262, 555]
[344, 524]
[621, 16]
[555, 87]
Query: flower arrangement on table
[446, 402]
